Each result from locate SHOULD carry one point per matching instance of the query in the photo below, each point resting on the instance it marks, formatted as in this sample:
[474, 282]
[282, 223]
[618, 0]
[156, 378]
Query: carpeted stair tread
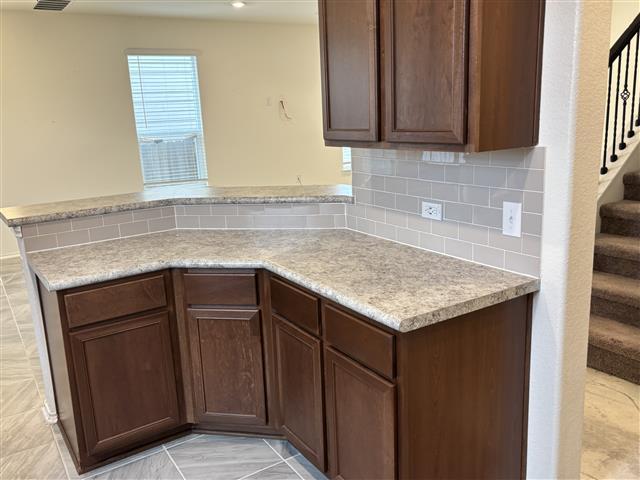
[616, 288]
[615, 337]
[618, 246]
[624, 209]
[631, 178]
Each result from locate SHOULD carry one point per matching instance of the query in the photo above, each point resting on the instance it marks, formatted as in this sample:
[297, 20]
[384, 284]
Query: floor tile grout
[164, 447]
[125, 462]
[24, 347]
[64, 465]
[284, 459]
[261, 470]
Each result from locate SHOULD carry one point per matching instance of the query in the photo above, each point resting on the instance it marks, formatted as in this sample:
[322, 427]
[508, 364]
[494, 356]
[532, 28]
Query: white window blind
[166, 105]
[346, 159]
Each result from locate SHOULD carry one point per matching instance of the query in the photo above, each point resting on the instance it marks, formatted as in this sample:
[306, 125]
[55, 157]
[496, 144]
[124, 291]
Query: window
[166, 105]
[346, 159]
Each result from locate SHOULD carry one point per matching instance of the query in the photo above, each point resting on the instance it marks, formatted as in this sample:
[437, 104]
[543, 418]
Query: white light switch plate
[512, 219]
[432, 210]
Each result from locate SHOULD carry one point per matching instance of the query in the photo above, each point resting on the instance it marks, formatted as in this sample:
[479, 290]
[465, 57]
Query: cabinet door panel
[361, 420]
[126, 382]
[424, 51]
[349, 59]
[299, 373]
[226, 349]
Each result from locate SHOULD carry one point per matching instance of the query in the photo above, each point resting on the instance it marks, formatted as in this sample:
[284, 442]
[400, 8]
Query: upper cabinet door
[349, 53]
[424, 45]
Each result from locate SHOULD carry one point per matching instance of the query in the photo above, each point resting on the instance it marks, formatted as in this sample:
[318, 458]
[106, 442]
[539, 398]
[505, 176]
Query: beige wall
[622, 14]
[67, 121]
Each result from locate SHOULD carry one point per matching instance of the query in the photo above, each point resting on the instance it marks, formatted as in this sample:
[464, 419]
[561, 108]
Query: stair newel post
[631, 132]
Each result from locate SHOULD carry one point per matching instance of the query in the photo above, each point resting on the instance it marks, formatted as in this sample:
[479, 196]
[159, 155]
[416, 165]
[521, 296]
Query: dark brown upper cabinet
[349, 52]
[452, 75]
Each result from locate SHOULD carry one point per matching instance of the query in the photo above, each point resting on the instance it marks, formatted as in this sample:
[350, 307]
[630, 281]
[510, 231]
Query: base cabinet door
[126, 382]
[361, 420]
[228, 371]
[299, 377]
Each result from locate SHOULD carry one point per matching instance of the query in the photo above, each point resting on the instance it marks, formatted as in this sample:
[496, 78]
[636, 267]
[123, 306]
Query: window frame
[201, 163]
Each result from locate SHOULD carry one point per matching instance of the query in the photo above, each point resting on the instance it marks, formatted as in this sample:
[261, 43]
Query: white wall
[574, 75]
[67, 121]
[622, 14]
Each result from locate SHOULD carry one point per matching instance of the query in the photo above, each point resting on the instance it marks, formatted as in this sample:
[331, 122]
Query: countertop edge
[401, 325]
[124, 207]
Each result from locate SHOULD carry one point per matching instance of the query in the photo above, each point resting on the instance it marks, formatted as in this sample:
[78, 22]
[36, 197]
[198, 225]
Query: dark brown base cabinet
[138, 360]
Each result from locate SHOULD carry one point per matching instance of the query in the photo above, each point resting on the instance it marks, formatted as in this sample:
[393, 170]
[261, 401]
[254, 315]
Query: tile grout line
[24, 347]
[55, 442]
[284, 459]
[128, 461]
[248, 475]
[166, 450]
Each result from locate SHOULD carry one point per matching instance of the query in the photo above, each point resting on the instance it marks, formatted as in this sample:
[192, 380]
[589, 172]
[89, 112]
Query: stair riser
[618, 266]
[614, 364]
[632, 192]
[618, 226]
[615, 310]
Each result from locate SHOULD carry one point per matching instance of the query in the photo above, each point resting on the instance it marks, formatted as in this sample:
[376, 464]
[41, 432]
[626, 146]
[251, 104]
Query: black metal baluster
[604, 168]
[631, 132]
[624, 95]
[614, 157]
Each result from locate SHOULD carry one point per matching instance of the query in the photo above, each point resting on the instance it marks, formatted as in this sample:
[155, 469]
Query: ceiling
[272, 11]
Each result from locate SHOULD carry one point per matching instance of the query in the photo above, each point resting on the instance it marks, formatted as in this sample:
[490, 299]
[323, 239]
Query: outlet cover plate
[432, 210]
[512, 219]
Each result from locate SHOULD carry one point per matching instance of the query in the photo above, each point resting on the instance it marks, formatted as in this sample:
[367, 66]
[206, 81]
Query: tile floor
[31, 449]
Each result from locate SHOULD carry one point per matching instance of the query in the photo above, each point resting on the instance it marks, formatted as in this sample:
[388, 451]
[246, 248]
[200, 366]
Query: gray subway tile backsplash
[137, 222]
[471, 189]
[107, 232]
[490, 176]
[75, 237]
[389, 187]
[86, 222]
[54, 227]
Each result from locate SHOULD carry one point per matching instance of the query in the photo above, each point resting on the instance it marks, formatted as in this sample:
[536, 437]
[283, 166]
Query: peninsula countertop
[175, 195]
[402, 287]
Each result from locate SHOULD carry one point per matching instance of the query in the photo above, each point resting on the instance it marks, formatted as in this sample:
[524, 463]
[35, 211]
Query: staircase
[614, 329]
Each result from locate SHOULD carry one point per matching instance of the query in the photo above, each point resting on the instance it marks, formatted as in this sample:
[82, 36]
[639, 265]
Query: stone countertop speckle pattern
[398, 286]
[175, 195]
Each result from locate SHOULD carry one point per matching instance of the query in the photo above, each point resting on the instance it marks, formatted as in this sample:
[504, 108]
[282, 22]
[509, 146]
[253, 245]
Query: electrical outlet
[512, 219]
[432, 210]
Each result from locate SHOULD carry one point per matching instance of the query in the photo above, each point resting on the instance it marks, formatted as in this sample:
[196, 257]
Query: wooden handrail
[624, 39]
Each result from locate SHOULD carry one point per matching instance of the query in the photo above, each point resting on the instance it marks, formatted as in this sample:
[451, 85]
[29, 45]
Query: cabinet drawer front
[220, 289]
[364, 342]
[295, 305]
[112, 301]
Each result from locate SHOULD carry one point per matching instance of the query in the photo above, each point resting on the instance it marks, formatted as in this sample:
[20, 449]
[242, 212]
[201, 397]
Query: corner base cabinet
[139, 360]
[458, 75]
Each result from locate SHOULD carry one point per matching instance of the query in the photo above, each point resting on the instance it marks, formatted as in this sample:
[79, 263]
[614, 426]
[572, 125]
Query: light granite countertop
[175, 195]
[402, 287]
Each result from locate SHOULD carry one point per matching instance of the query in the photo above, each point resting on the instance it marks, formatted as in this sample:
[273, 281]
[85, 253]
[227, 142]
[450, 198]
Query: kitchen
[330, 258]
